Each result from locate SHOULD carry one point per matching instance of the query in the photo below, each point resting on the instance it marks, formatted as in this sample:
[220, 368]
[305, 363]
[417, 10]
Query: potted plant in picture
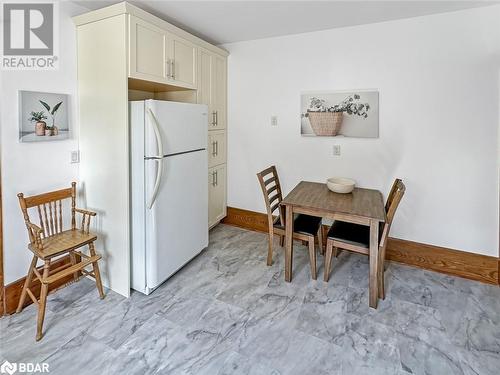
[52, 129]
[326, 121]
[37, 118]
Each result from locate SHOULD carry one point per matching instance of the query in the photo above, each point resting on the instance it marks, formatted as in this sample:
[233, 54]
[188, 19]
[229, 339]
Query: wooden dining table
[361, 206]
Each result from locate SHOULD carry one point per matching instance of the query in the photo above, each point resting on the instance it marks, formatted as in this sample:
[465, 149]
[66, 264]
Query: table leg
[288, 242]
[374, 263]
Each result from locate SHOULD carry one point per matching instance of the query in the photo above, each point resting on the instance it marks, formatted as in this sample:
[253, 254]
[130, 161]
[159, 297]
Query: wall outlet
[75, 156]
[274, 120]
[336, 150]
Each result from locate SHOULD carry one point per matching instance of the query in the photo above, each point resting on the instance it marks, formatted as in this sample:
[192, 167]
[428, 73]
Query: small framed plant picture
[43, 116]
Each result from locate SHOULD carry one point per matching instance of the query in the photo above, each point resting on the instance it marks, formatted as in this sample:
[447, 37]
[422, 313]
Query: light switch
[274, 120]
[75, 156]
[336, 150]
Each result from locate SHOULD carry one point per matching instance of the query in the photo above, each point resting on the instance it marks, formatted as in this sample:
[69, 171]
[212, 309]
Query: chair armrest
[85, 219]
[85, 212]
[35, 235]
[35, 228]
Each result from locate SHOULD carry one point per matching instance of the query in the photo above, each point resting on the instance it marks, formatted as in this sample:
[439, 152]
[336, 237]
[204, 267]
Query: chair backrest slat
[60, 216]
[269, 180]
[275, 206]
[271, 189]
[51, 222]
[396, 194]
[273, 198]
[46, 222]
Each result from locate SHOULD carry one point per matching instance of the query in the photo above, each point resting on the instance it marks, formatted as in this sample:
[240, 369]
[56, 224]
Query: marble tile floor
[226, 312]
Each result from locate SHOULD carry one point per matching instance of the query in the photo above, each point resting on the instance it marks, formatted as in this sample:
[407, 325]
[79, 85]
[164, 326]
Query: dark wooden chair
[305, 227]
[356, 237]
[49, 240]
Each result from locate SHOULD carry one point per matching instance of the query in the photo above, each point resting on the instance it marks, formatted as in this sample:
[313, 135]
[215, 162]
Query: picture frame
[347, 113]
[43, 116]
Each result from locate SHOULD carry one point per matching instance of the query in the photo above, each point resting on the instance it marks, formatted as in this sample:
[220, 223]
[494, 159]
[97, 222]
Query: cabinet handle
[216, 179]
[170, 68]
[173, 69]
[213, 149]
[213, 179]
[214, 123]
[216, 118]
[216, 148]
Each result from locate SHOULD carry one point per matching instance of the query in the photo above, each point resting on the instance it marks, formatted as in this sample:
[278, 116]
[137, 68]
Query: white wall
[35, 167]
[438, 82]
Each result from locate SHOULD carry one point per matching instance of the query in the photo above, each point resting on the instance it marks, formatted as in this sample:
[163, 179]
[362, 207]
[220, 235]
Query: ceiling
[232, 21]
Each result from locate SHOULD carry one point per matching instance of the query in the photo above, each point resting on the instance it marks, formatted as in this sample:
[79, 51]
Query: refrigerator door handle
[156, 129]
[159, 173]
[158, 158]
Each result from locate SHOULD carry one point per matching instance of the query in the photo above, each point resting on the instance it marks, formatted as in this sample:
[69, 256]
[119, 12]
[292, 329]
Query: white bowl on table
[340, 184]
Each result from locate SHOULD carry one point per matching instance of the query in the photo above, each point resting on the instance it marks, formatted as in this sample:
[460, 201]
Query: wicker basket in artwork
[325, 123]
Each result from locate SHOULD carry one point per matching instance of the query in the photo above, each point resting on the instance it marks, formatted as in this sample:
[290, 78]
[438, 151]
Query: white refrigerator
[169, 190]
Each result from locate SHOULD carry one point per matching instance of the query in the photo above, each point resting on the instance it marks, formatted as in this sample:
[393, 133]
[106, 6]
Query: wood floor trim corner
[463, 264]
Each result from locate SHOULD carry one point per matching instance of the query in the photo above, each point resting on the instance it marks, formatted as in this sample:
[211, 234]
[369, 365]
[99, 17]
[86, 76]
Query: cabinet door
[205, 84]
[216, 148]
[212, 88]
[216, 194]
[147, 51]
[219, 91]
[182, 62]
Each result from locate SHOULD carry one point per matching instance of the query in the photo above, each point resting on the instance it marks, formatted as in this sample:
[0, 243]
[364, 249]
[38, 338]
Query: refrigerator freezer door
[182, 127]
[176, 224]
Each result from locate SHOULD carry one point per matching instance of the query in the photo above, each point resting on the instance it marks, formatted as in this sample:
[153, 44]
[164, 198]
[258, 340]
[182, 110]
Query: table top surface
[367, 203]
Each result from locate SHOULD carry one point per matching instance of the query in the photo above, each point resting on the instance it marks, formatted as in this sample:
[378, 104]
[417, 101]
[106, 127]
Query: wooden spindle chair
[48, 239]
[305, 226]
[356, 237]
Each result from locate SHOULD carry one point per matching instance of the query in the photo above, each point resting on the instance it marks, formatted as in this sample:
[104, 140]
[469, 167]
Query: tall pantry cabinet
[125, 53]
[212, 92]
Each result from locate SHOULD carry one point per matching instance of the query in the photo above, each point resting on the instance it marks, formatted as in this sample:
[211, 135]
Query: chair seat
[304, 224]
[63, 242]
[353, 234]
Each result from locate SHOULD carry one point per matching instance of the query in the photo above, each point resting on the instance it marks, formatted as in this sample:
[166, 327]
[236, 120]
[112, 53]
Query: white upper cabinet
[212, 88]
[147, 51]
[219, 91]
[182, 61]
[205, 81]
[161, 56]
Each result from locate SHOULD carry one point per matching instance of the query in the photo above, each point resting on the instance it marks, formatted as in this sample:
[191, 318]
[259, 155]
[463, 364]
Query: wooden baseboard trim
[471, 266]
[246, 219]
[449, 261]
[14, 289]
